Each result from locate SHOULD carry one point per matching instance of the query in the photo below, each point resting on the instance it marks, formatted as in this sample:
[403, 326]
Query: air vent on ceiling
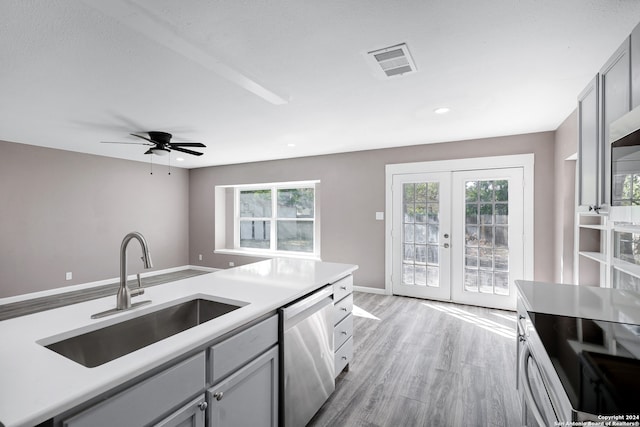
[392, 61]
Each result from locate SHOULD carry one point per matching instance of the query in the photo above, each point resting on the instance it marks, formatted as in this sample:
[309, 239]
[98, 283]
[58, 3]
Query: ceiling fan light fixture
[159, 151]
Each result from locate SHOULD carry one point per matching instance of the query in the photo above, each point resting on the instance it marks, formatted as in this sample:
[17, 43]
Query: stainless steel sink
[103, 345]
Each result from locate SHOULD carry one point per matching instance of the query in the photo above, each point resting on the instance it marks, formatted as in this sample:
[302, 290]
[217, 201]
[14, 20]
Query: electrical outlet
[69, 275]
[232, 264]
[200, 257]
[380, 216]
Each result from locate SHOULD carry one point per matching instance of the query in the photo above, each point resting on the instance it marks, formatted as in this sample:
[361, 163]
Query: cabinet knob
[202, 406]
[218, 395]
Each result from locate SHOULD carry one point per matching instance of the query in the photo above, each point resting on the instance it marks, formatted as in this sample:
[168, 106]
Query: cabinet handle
[344, 288]
[218, 395]
[344, 357]
[344, 332]
[202, 406]
[343, 308]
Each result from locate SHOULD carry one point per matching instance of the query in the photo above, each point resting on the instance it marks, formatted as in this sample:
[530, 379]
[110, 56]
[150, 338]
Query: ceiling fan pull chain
[151, 164]
[169, 164]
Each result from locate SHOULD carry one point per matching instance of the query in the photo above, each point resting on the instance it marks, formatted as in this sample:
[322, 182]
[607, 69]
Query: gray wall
[353, 189]
[63, 211]
[566, 144]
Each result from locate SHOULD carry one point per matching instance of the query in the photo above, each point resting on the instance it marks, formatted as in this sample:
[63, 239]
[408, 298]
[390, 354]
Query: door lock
[446, 246]
[446, 235]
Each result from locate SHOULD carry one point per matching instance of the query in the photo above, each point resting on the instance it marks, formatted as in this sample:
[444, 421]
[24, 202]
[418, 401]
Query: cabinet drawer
[236, 351]
[343, 331]
[147, 400]
[342, 288]
[342, 308]
[343, 356]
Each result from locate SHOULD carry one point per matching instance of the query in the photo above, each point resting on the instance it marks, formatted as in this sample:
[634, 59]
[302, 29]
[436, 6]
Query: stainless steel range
[575, 369]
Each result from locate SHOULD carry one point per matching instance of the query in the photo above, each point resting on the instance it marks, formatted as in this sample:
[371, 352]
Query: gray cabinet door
[615, 92]
[249, 397]
[588, 146]
[190, 415]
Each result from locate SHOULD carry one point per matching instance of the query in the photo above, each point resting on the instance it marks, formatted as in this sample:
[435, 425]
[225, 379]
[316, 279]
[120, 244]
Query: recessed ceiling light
[179, 159]
[291, 144]
[441, 110]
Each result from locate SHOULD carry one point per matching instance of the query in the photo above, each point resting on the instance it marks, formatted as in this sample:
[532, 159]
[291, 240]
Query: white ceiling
[249, 78]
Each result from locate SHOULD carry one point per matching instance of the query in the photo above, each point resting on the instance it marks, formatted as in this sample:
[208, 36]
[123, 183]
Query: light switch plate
[69, 275]
[380, 216]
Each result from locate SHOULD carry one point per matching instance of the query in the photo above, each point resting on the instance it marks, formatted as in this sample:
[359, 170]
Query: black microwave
[624, 135]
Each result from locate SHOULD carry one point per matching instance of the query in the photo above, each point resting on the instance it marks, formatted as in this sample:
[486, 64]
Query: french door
[458, 235]
[422, 220]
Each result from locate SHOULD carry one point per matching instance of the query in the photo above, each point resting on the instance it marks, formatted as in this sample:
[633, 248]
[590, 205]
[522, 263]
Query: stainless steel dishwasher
[307, 358]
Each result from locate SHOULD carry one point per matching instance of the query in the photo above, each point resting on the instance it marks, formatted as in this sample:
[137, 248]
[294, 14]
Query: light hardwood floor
[425, 363]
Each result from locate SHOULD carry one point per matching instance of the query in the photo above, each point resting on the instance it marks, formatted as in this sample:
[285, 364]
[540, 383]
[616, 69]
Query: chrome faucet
[123, 297]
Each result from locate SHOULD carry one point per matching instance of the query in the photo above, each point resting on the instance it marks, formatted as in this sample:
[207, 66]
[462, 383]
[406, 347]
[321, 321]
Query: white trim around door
[524, 161]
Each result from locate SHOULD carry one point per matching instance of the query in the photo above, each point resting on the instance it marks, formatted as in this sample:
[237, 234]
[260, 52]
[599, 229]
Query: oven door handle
[524, 362]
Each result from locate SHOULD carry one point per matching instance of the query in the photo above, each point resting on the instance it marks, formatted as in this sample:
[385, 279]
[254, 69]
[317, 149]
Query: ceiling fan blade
[187, 144]
[131, 143]
[184, 150]
[142, 137]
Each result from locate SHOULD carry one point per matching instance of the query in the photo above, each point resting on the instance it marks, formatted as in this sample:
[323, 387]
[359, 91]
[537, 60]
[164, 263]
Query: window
[271, 219]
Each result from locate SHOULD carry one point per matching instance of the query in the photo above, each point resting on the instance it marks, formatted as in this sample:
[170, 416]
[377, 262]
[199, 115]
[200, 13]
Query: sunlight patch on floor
[511, 318]
[489, 325]
[357, 311]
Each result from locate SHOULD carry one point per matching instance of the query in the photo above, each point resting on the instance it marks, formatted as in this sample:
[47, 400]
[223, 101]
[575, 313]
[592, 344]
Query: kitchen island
[38, 384]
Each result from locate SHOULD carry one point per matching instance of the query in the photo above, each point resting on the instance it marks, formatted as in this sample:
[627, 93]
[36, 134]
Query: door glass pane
[487, 243]
[471, 279]
[433, 276]
[420, 235]
[420, 275]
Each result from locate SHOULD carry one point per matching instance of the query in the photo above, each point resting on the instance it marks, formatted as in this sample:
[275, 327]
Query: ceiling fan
[161, 145]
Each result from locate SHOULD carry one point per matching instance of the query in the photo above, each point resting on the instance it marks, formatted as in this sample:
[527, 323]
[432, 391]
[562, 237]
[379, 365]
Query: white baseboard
[370, 290]
[201, 268]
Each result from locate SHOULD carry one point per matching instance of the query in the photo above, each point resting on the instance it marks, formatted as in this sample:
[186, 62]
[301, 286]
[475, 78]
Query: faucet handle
[139, 290]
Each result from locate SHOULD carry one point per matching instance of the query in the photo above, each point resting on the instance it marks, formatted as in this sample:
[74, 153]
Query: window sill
[261, 254]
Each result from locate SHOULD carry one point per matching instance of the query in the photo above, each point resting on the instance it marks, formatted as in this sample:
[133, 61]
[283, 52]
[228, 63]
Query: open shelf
[593, 226]
[596, 256]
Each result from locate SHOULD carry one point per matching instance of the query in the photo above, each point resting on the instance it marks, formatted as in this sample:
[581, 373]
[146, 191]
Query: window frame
[273, 228]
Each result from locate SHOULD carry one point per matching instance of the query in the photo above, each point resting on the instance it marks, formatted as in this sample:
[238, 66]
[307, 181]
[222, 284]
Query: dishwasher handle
[293, 310]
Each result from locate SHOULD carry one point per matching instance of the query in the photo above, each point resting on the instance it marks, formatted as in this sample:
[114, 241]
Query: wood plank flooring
[426, 363]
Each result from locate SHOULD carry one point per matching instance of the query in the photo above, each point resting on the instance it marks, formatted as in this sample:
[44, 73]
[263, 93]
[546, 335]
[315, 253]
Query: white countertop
[613, 305]
[37, 383]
